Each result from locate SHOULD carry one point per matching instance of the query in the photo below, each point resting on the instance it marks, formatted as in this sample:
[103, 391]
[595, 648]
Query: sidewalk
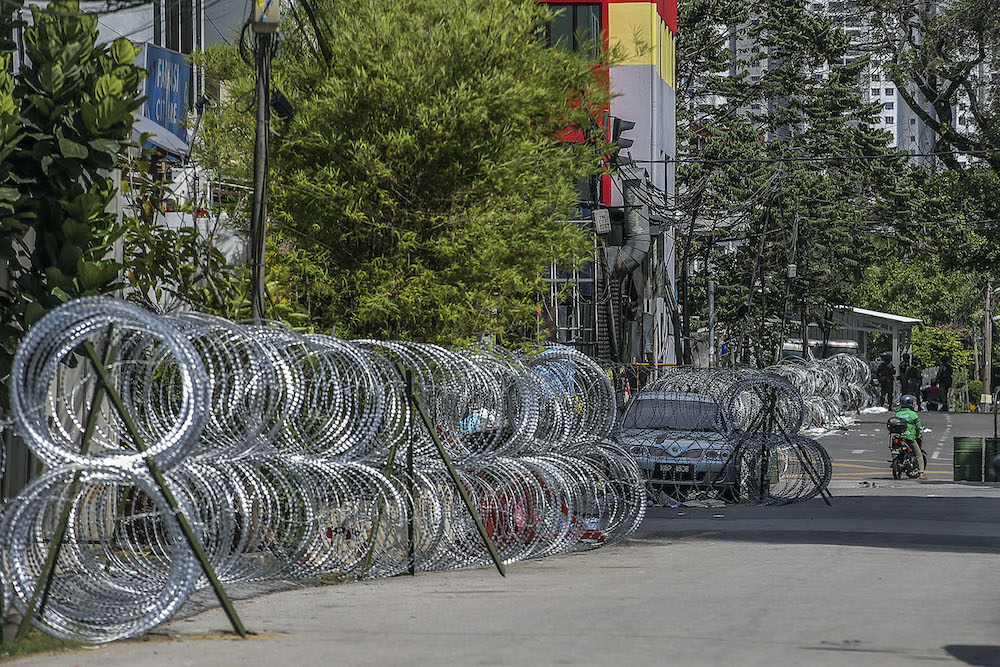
[803, 584]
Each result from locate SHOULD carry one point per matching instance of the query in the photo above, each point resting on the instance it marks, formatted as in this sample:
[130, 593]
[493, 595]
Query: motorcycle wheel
[896, 472]
[912, 471]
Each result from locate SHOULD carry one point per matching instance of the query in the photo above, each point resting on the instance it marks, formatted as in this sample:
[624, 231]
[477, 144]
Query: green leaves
[63, 121]
[71, 149]
[94, 275]
[51, 77]
[123, 52]
[421, 185]
[108, 86]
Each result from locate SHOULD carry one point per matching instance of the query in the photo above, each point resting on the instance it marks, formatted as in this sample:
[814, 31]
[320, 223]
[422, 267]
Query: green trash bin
[968, 459]
[991, 450]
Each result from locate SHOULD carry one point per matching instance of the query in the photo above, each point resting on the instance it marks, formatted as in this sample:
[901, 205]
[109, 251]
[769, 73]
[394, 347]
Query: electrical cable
[804, 158]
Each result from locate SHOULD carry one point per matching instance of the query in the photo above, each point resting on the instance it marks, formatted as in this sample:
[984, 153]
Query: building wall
[645, 32]
[645, 82]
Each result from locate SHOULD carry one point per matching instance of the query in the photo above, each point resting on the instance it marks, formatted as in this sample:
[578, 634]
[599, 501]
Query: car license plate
[672, 469]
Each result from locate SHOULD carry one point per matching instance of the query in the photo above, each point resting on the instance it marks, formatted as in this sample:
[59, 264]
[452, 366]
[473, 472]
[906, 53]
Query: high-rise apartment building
[908, 130]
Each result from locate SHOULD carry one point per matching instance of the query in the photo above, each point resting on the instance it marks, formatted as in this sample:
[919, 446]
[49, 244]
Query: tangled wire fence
[831, 388]
[723, 434]
[275, 453]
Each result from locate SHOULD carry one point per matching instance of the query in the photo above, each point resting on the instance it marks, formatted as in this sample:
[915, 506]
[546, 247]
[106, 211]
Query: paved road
[889, 575]
[861, 452]
[899, 573]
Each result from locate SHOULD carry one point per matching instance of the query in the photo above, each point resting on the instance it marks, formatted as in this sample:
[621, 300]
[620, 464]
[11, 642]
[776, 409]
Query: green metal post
[154, 470]
[411, 555]
[415, 399]
[44, 583]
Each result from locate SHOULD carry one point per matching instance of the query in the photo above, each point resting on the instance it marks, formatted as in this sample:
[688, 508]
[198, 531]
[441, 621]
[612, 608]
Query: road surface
[862, 452]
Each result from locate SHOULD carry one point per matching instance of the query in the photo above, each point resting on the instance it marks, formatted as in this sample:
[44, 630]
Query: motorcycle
[903, 451]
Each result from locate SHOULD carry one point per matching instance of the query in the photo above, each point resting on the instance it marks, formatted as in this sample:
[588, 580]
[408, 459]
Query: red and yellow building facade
[645, 34]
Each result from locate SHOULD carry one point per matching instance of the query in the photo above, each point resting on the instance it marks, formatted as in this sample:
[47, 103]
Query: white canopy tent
[858, 323]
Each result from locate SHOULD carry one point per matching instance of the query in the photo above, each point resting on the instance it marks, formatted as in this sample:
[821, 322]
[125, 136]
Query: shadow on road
[986, 656]
[958, 524]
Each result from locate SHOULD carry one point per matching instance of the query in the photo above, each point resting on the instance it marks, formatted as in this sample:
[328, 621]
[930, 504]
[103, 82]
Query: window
[888, 106]
[890, 120]
[913, 139]
[755, 78]
[913, 121]
[962, 121]
[875, 91]
[755, 106]
[576, 27]
[889, 91]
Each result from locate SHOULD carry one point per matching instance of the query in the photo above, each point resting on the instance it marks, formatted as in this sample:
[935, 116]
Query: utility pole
[988, 344]
[711, 323]
[264, 21]
[789, 276]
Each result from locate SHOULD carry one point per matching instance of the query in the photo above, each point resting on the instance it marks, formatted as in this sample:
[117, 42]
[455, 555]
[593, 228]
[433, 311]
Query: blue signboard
[167, 88]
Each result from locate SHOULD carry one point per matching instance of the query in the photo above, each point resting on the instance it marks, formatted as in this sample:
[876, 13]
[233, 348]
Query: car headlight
[638, 450]
[718, 454]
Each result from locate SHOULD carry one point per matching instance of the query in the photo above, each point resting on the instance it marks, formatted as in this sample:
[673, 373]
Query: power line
[804, 158]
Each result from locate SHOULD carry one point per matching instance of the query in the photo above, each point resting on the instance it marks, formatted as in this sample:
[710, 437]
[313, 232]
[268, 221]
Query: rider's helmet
[907, 401]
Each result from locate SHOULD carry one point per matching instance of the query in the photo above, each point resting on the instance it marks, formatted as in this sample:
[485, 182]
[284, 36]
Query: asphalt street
[861, 451]
[895, 572]
[887, 576]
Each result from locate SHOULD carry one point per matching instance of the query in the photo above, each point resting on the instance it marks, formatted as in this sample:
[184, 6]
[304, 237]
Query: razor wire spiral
[831, 388]
[723, 434]
[275, 445]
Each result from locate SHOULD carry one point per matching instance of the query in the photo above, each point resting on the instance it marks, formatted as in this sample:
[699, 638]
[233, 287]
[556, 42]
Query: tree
[932, 346]
[920, 287]
[943, 58]
[764, 169]
[424, 179]
[65, 120]
[171, 267]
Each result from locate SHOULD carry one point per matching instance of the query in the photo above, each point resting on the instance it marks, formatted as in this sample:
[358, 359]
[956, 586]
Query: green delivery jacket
[913, 427]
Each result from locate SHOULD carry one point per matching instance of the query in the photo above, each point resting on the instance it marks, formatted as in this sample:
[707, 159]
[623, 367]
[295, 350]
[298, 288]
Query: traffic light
[618, 127]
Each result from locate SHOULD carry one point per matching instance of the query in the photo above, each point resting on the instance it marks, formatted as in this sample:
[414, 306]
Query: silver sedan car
[679, 439]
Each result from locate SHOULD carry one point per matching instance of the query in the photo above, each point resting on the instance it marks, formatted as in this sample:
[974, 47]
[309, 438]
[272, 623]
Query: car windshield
[676, 413]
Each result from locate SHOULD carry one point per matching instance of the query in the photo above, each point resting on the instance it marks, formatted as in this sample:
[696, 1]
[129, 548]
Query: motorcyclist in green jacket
[913, 428]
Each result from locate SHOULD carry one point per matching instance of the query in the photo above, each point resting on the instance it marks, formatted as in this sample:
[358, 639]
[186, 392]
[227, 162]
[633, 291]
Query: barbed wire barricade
[831, 388]
[190, 451]
[720, 435]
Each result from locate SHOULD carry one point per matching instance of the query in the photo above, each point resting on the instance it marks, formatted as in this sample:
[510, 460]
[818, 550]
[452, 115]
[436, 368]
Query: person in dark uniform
[945, 378]
[914, 380]
[904, 363]
[885, 377]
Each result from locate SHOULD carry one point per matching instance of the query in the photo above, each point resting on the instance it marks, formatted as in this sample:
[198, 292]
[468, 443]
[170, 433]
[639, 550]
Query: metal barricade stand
[765, 424]
[414, 399]
[106, 388]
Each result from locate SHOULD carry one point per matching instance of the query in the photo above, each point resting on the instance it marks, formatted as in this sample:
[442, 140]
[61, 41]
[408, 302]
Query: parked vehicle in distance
[680, 439]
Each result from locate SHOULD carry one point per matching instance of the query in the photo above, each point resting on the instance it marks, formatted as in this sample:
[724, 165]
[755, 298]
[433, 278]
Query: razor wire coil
[275, 445]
